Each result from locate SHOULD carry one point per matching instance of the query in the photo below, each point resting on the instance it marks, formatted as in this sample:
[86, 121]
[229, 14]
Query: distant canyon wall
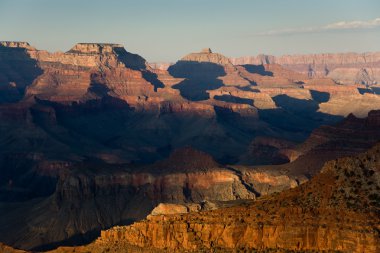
[346, 68]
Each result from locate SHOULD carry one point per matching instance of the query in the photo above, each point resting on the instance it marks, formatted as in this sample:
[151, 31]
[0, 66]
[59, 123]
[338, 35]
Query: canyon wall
[346, 68]
[327, 213]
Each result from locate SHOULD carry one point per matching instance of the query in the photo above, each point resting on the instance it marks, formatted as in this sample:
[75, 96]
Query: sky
[166, 30]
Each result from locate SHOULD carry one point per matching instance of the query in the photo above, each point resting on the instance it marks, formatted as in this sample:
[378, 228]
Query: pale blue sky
[165, 30]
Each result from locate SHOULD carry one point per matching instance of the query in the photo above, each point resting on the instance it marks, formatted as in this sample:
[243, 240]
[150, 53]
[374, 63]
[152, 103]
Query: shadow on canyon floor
[298, 116]
[136, 62]
[257, 69]
[233, 99]
[320, 96]
[199, 77]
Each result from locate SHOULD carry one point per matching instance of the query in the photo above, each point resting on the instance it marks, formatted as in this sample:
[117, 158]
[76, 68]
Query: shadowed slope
[17, 70]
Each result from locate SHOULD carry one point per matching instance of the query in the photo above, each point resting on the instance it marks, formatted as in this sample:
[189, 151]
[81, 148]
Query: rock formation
[206, 55]
[93, 197]
[7, 249]
[336, 210]
[187, 176]
[324, 144]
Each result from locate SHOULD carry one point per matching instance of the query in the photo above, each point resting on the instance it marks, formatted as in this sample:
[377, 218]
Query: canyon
[336, 210]
[96, 137]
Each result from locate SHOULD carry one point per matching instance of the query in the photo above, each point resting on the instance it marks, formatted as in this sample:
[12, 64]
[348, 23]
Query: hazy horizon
[164, 31]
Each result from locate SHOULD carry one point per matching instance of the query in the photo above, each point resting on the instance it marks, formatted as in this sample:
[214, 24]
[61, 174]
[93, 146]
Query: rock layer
[327, 213]
[347, 68]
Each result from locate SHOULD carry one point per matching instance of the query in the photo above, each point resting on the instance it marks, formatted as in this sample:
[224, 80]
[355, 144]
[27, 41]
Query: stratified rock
[206, 55]
[82, 131]
[342, 67]
[336, 210]
[167, 208]
[94, 197]
[16, 44]
[94, 48]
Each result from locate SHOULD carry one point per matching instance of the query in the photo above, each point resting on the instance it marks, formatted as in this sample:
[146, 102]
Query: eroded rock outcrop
[91, 197]
[336, 210]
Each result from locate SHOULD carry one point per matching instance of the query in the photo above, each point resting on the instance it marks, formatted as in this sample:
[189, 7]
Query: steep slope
[306, 160]
[90, 71]
[18, 70]
[337, 210]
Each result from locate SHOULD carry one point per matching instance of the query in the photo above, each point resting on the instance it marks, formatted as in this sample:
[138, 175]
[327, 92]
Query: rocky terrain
[338, 210]
[96, 137]
[189, 179]
[91, 197]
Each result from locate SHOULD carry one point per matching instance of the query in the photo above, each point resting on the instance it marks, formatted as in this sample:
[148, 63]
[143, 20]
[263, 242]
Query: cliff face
[336, 210]
[92, 197]
[206, 55]
[347, 68]
[92, 71]
[308, 217]
[337, 59]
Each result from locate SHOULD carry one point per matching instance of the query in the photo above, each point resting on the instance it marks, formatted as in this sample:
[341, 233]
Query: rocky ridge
[337, 210]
